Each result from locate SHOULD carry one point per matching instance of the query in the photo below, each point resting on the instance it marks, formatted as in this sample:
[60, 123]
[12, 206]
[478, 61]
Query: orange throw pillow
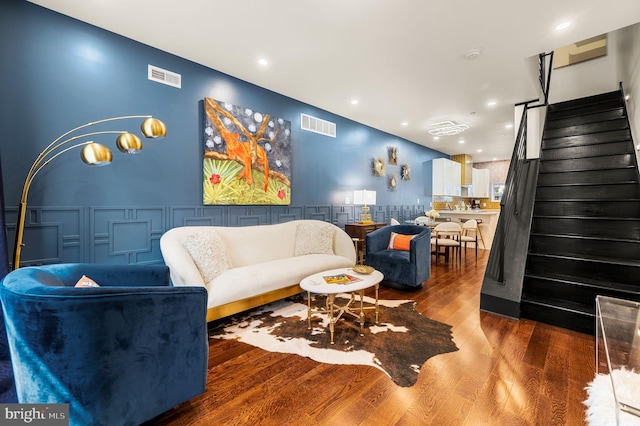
[86, 282]
[400, 241]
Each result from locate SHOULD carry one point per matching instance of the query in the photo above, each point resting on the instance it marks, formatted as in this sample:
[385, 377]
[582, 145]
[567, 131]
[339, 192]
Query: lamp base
[365, 218]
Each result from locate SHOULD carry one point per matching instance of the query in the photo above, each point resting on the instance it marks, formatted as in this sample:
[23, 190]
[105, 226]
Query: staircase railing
[545, 62]
[626, 114]
[509, 201]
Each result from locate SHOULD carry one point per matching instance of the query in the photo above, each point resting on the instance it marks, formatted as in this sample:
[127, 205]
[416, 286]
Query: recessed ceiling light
[354, 102]
[491, 103]
[461, 141]
[494, 158]
[563, 26]
[508, 126]
[479, 150]
[404, 123]
[263, 62]
[436, 138]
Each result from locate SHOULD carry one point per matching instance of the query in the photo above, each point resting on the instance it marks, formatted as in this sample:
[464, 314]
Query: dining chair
[447, 235]
[469, 227]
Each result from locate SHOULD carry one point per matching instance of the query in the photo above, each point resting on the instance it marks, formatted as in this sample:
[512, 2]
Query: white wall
[586, 78]
[628, 72]
[601, 75]
[535, 128]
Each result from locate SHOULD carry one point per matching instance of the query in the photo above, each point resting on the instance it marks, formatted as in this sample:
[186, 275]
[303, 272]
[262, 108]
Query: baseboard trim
[499, 306]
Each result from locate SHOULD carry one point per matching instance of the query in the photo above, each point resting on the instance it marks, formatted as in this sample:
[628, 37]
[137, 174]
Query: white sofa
[244, 267]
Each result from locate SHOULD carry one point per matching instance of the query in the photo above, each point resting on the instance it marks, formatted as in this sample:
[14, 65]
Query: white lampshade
[364, 197]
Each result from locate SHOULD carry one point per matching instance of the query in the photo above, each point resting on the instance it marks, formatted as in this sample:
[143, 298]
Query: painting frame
[246, 156]
[393, 155]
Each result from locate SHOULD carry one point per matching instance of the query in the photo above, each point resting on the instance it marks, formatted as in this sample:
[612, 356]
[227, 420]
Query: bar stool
[469, 226]
[479, 221]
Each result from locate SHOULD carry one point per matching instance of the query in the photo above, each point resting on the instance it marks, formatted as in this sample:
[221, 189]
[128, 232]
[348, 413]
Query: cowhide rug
[399, 345]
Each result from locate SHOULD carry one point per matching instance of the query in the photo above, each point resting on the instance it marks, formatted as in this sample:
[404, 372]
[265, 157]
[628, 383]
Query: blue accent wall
[57, 73]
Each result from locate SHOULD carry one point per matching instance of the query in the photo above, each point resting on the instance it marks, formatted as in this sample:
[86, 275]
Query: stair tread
[555, 116]
[565, 142]
[592, 156]
[556, 125]
[583, 164]
[626, 289]
[595, 139]
[597, 259]
[630, 219]
[584, 101]
[565, 305]
[587, 237]
[622, 182]
[590, 200]
[595, 150]
[631, 166]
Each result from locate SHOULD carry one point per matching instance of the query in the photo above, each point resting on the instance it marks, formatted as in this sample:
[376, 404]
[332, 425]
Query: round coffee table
[317, 284]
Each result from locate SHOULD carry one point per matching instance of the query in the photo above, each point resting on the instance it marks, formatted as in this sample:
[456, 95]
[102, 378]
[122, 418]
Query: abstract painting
[591, 48]
[247, 156]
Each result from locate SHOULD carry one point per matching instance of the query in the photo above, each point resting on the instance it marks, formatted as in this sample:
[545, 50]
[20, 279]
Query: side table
[618, 350]
[316, 284]
[359, 231]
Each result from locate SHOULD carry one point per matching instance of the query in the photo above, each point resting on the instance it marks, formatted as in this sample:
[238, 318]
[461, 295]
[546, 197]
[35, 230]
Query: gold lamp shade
[153, 128]
[129, 143]
[95, 154]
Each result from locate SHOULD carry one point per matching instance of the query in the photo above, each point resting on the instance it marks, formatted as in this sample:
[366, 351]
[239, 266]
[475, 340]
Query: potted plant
[432, 215]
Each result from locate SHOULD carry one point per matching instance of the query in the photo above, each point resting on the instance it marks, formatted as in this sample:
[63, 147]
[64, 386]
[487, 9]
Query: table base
[335, 311]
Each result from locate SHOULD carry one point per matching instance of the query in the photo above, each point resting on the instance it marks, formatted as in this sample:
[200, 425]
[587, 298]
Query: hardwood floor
[506, 372]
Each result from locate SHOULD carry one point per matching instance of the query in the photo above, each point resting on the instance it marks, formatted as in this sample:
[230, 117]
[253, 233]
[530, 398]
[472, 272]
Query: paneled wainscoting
[131, 234]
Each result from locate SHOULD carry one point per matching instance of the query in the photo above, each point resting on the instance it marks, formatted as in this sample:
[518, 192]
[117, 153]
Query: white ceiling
[403, 60]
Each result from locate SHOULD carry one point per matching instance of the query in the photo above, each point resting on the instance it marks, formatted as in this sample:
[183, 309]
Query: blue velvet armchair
[118, 354]
[402, 269]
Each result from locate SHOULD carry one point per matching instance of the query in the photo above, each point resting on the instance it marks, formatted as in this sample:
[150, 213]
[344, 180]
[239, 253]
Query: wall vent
[165, 77]
[317, 125]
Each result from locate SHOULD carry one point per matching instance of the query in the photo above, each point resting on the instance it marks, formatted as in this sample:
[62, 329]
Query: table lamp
[364, 198]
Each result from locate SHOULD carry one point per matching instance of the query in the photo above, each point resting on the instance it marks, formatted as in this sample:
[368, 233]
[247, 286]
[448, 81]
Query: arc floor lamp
[92, 154]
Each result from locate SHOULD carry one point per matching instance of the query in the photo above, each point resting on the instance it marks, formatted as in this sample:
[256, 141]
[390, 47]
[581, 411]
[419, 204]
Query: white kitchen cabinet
[480, 184]
[445, 177]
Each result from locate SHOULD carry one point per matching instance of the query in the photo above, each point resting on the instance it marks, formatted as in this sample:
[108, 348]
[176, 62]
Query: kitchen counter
[487, 227]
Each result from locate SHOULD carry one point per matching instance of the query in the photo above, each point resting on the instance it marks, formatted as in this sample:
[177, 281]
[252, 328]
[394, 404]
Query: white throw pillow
[208, 253]
[314, 238]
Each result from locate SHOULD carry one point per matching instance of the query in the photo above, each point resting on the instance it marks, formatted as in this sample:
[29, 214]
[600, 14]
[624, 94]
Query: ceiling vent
[165, 77]
[317, 125]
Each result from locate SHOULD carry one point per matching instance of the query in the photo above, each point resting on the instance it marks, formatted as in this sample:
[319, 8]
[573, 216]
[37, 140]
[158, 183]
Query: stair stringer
[503, 298]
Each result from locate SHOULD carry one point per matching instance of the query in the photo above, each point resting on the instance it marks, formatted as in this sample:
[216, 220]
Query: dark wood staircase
[585, 230]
